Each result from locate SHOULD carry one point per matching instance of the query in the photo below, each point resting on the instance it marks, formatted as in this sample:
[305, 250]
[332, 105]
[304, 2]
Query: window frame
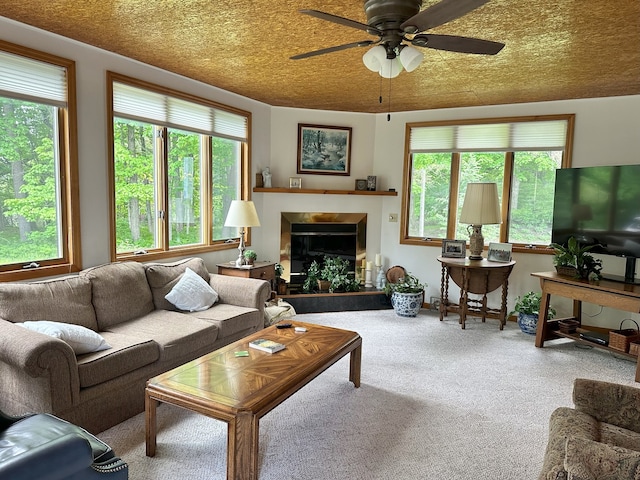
[69, 199]
[454, 185]
[165, 250]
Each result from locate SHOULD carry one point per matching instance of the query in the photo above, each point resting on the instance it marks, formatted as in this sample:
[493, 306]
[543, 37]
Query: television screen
[599, 206]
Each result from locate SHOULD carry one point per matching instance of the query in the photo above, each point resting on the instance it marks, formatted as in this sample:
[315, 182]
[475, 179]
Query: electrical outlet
[393, 217]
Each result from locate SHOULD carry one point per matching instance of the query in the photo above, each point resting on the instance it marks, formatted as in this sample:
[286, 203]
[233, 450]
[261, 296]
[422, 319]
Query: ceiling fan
[398, 25]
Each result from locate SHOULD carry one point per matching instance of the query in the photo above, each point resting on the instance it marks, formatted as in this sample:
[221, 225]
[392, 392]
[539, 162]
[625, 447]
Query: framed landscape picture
[324, 150]
[454, 248]
[499, 252]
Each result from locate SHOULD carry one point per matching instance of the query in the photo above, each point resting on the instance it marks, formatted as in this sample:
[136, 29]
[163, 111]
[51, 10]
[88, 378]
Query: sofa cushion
[192, 293]
[590, 460]
[79, 338]
[162, 277]
[177, 334]
[120, 292]
[66, 299]
[231, 319]
[128, 353]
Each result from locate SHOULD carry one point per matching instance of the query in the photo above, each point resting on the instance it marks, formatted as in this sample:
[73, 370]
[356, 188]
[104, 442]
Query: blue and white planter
[528, 322]
[406, 304]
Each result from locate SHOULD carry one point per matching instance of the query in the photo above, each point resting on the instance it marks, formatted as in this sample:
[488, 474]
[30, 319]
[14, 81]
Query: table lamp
[242, 214]
[480, 207]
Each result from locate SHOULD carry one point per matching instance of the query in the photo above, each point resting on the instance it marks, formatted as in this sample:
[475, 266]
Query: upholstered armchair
[599, 439]
[45, 447]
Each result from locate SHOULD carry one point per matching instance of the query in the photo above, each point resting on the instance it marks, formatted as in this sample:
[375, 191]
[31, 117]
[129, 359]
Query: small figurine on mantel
[381, 281]
[266, 177]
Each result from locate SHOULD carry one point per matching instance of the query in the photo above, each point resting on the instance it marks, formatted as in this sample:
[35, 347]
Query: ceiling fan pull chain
[389, 101]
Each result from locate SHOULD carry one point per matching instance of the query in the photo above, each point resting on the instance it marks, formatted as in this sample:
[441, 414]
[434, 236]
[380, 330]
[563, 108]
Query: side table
[478, 277]
[259, 270]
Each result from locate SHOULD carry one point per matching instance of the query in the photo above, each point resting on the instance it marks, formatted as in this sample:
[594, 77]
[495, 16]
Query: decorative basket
[567, 271]
[568, 326]
[622, 338]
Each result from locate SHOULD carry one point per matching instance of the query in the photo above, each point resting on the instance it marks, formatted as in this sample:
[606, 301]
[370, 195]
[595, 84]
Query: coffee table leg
[150, 405]
[355, 363]
[242, 447]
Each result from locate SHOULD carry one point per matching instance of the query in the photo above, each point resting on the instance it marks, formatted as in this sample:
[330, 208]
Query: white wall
[607, 132]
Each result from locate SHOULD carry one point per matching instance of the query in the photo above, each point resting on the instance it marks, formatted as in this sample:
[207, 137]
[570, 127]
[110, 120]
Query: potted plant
[332, 275]
[407, 295]
[250, 256]
[574, 259]
[281, 283]
[528, 309]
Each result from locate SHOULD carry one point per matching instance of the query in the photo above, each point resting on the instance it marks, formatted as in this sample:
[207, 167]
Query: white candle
[369, 266]
[378, 260]
[364, 263]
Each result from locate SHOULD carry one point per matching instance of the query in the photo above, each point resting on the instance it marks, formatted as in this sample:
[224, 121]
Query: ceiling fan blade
[439, 14]
[342, 21]
[364, 43]
[452, 43]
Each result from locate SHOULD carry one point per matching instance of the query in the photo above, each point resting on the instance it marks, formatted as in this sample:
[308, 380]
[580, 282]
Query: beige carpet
[436, 402]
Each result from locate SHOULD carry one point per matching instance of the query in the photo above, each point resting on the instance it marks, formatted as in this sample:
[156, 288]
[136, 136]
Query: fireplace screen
[306, 237]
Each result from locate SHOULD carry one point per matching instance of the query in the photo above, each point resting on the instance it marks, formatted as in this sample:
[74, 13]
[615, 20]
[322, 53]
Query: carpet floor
[436, 402]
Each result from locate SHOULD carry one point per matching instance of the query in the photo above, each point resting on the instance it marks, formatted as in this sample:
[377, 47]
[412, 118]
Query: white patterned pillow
[79, 338]
[192, 293]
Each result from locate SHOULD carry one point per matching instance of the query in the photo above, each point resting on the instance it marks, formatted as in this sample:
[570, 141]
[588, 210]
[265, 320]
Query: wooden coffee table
[241, 390]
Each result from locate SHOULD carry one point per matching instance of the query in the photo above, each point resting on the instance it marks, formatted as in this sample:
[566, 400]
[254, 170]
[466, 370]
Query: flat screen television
[600, 206]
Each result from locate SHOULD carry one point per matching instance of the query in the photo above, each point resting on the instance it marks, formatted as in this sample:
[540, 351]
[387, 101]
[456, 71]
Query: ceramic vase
[406, 304]
[528, 322]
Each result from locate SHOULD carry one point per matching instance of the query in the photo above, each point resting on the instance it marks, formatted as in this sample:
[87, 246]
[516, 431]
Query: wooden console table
[618, 295]
[474, 276]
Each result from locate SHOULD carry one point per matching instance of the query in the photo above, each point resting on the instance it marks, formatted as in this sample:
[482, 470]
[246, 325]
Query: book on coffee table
[266, 345]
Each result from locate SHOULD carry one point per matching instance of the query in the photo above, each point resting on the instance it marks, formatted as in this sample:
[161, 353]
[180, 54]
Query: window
[39, 221]
[521, 155]
[177, 163]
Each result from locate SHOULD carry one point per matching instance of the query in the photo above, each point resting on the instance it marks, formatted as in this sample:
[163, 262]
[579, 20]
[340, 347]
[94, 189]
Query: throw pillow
[590, 460]
[79, 338]
[192, 293]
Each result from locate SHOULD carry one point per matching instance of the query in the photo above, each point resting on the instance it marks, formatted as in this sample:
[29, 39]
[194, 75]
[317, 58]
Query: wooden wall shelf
[321, 191]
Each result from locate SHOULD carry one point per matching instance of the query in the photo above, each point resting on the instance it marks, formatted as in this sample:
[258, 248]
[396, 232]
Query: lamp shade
[481, 205]
[411, 58]
[390, 68]
[374, 57]
[242, 213]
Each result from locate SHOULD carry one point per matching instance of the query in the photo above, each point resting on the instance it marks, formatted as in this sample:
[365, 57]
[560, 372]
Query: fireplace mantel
[322, 191]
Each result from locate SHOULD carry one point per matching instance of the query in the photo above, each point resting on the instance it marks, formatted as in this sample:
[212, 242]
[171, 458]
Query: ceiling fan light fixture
[374, 58]
[411, 58]
[391, 68]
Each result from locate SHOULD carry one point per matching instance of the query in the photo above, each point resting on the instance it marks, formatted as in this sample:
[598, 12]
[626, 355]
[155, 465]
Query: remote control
[300, 329]
[283, 325]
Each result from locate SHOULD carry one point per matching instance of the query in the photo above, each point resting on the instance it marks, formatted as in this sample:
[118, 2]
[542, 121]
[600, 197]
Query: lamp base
[476, 242]
[241, 261]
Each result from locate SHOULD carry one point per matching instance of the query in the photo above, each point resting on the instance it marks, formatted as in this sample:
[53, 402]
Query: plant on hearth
[334, 271]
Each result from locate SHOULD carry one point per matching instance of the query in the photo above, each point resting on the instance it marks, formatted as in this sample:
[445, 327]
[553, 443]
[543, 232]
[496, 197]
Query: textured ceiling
[561, 49]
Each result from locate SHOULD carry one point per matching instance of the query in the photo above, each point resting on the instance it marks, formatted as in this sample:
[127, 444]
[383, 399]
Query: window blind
[32, 80]
[490, 137]
[144, 105]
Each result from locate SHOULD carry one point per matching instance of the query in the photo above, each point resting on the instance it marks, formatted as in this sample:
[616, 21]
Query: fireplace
[309, 236]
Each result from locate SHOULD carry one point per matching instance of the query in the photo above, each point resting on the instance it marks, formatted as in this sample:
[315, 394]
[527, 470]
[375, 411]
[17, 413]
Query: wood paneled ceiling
[561, 49]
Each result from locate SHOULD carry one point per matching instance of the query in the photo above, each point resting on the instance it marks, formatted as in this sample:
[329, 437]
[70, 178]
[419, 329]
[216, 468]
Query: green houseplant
[528, 309]
[333, 275]
[406, 295]
[250, 256]
[574, 259]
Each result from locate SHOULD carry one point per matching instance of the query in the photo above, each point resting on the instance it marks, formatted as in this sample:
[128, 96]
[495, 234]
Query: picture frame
[361, 184]
[499, 252]
[454, 248]
[371, 183]
[295, 182]
[324, 150]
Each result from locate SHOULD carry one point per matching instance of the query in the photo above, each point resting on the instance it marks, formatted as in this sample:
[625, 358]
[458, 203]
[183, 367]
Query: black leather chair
[44, 447]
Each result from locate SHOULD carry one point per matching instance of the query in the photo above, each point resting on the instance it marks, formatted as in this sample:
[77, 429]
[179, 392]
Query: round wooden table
[478, 277]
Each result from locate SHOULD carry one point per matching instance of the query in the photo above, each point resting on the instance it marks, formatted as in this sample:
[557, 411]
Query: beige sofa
[124, 303]
[599, 439]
